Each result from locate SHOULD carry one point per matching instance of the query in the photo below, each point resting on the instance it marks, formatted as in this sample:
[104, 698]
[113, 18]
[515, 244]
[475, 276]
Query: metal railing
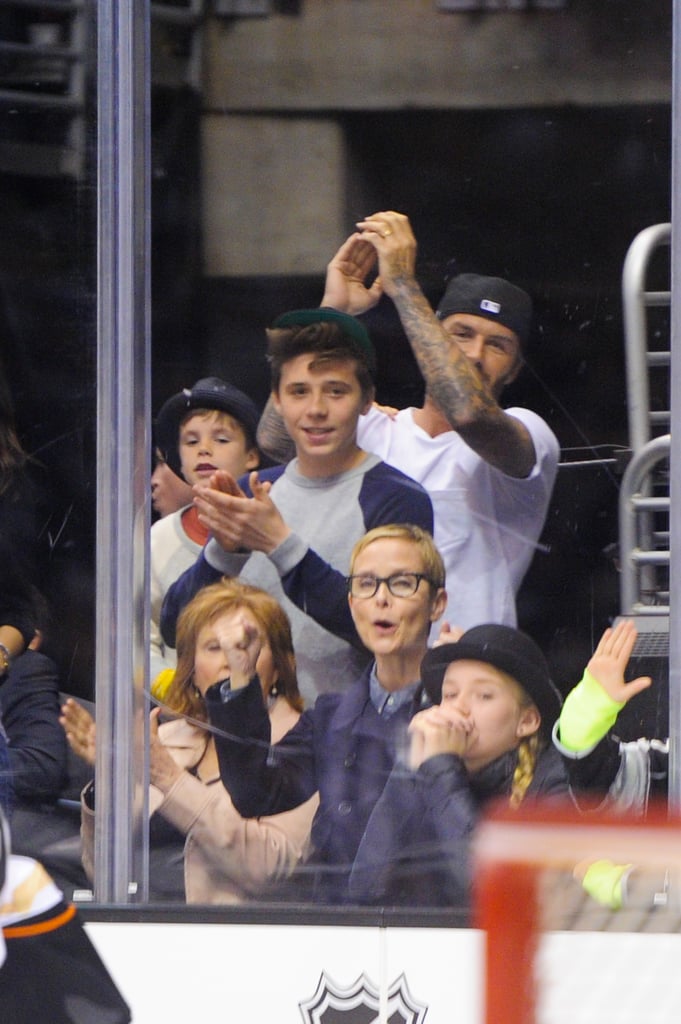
[644, 533]
[644, 503]
[48, 69]
[640, 357]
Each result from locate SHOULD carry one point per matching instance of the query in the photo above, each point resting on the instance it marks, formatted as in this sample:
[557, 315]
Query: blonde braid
[528, 751]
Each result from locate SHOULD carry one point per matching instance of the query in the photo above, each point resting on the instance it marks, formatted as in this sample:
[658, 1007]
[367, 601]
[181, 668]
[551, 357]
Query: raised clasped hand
[391, 236]
[436, 731]
[241, 643]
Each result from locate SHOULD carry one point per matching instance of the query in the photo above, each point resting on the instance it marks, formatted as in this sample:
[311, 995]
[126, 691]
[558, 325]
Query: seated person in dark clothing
[29, 706]
[29, 683]
[46, 781]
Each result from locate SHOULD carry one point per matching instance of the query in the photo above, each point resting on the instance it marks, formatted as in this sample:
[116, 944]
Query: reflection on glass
[546, 194]
[47, 325]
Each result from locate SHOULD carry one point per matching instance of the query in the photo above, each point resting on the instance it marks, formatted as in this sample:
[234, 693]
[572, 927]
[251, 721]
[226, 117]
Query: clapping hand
[80, 729]
[237, 522]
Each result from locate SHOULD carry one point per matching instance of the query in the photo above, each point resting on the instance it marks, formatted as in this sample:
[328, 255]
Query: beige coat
[227, 859]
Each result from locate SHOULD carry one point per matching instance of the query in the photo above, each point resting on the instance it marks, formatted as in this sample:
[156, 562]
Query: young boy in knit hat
[489, 471]
[200, 430]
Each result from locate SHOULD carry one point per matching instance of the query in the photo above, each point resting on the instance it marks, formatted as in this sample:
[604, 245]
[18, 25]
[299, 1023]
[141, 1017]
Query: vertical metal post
[674, 461]
[123, 446]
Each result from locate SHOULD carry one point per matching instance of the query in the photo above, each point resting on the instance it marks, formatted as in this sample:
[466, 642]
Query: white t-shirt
[487, 524]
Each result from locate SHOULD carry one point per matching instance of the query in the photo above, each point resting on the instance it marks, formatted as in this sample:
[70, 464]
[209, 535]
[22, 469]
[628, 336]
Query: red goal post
[555, 954]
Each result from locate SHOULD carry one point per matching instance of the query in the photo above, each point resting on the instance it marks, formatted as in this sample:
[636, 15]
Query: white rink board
[219, 973]
[609, 978]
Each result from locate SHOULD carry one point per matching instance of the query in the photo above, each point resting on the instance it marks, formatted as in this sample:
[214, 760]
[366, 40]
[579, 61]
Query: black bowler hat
[507, 649]
[207, 393]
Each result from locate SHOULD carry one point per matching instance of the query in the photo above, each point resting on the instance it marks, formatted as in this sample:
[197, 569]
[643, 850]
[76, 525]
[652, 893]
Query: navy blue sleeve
[270, 474]
[321, 592]
[386, 496]
[260, 779]
[198, 575]
[390, 496]
[29, 701]
[6, 791]
[415, 846]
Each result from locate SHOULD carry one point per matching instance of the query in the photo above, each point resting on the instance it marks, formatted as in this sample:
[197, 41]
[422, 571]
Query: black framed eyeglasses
[400, 584]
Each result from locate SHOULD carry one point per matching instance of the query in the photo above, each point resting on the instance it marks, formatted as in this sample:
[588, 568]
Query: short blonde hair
[433, 566]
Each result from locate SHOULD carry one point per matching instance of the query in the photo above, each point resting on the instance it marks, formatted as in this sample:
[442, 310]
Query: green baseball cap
[349, 325]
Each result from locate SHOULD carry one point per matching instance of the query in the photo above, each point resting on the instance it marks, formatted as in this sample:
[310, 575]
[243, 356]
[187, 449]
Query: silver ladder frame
[69, 65]
[644, 502]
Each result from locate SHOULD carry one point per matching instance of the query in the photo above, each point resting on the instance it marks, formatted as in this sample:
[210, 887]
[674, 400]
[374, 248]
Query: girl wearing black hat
[486, 737]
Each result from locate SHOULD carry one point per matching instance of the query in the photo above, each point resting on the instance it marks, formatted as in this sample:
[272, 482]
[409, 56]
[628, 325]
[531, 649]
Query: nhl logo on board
[360, 1003]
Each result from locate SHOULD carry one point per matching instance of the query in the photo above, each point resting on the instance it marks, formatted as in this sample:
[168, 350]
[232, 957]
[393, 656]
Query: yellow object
[161, 683]
[587, 714]
[603, 882]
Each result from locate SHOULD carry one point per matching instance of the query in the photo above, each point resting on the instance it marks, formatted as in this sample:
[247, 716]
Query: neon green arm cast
[587, 715]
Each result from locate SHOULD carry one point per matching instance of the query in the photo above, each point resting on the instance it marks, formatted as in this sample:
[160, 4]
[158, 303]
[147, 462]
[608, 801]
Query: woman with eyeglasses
[347, 744]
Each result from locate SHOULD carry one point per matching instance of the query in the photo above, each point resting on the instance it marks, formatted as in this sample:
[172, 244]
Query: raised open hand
[609, 661]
